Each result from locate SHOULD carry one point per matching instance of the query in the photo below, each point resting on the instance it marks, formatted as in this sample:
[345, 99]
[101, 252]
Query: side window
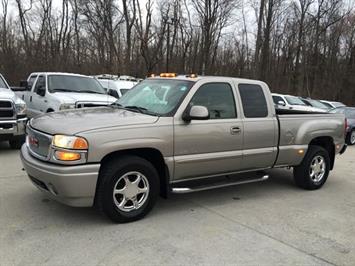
[278, 99]
[41, 82]
[253, 100]
[218, 98]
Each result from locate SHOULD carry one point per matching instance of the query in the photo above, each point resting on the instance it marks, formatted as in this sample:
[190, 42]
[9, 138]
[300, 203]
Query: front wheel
[313, 172]
[128, 188]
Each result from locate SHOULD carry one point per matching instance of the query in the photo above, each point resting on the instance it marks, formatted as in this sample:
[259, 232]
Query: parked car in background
[12, 116]
[47, 92]
[289, 102]
[332, 104]
[315, 103]
[349, 113]
[120, 87]
[176, 134]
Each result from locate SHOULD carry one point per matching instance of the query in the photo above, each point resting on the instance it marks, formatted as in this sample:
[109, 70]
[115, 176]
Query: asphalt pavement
[267, 223]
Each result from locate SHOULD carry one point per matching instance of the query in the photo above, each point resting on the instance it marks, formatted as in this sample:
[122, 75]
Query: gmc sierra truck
[46, 92]
[176, 134]
[12, 116]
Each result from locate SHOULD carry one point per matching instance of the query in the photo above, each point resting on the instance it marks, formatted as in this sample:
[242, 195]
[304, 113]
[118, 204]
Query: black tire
[17, 142]
[110, 173]
[302, 172]
[349, 140]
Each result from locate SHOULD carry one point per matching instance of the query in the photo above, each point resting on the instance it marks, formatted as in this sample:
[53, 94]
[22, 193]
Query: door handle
[31, 98]
[235, 130]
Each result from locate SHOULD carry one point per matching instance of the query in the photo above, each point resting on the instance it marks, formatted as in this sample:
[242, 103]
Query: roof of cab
[197, 78]
[59, 73]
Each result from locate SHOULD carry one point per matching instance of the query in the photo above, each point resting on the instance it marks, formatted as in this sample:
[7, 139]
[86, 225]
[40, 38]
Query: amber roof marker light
[168, 75]
[192, 75]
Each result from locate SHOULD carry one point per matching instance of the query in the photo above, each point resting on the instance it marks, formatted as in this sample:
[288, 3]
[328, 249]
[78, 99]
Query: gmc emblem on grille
[33, 141]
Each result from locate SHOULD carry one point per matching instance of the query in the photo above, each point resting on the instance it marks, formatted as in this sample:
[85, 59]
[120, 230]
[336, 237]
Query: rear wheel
[313, 172]
[128, 188]
[16, 142]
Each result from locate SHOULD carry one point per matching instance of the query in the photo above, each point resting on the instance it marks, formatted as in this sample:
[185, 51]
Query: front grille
[5, 104]
[38, 143]
[6, 113]
[91, 104]
[6, 110]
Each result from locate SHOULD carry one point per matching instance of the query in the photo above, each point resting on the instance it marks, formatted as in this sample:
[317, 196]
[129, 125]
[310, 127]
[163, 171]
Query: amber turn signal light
[67, 156]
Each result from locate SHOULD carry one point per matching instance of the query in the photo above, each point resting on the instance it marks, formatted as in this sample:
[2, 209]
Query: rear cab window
[253, 100]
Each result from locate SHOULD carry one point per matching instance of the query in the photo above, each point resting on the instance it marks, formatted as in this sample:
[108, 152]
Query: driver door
[213, 146]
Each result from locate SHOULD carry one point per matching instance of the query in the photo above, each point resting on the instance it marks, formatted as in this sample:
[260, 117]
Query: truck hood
[72, 122]
[74, 97]
[7, 94]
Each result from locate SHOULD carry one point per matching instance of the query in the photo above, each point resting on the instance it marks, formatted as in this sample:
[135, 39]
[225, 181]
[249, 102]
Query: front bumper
[70, 185]
[14, 127]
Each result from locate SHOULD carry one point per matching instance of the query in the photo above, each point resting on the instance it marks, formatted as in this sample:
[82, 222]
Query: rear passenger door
[213, 146]
[260, 127]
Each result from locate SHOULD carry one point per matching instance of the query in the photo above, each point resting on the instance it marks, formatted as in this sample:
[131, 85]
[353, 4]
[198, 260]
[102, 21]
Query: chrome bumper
[15, 127]
[70, 185]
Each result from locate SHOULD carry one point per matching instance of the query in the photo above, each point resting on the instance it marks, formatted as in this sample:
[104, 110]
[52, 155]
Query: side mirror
[196, 112]
[24, 84]
[113, 93]
[282, 103]
[41, 91]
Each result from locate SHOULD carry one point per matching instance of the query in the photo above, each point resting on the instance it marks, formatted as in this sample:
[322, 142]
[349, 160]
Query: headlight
[20, 108]
[67, 106]
[70, 142]
[69, 149]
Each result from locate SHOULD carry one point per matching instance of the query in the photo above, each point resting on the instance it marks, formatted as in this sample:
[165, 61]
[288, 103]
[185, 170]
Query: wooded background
[301, 47]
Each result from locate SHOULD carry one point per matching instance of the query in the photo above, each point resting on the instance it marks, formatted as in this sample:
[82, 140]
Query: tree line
[302, 47]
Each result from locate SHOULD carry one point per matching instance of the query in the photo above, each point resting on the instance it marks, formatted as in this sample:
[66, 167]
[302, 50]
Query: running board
[183, 190]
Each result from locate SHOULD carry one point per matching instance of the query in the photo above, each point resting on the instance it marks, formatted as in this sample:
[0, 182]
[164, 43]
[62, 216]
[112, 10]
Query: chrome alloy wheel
[352, 137]
[131, 191]
[317, 169]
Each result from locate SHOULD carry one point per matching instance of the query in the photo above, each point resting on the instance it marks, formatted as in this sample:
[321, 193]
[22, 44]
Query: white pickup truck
[12, 116]
[46, 92]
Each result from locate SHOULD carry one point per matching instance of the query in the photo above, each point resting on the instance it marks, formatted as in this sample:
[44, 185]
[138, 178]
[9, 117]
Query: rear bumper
[15, 127]
[70, 185]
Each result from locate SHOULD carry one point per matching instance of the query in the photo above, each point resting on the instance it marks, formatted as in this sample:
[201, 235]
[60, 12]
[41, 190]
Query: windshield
[338, 104]
[318, 104]
[63, 83]
[337, 111]
[294, 100]
[2, 83]
[350, 113]
[156, 96]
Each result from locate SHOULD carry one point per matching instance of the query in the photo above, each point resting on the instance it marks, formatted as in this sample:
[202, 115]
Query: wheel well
[328, 144]
[153, 156]
[50, 110]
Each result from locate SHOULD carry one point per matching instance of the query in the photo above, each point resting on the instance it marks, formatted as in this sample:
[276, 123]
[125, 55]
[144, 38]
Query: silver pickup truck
[176, 134]
[12, 116]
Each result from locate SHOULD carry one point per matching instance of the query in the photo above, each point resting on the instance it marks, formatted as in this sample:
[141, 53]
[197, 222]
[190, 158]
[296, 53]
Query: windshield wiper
[138, 108]
[133, 108]
[61, 89]
[89, 91]
[116, 104]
